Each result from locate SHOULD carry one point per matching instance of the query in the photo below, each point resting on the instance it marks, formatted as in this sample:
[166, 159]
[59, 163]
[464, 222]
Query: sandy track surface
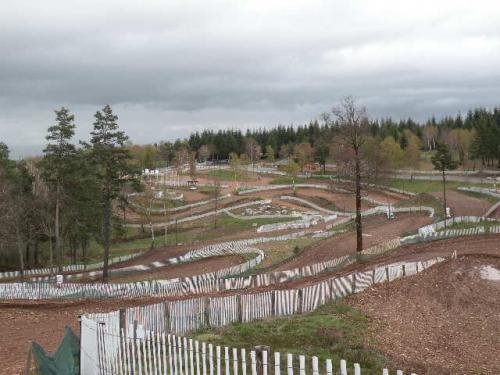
[443, 321]
[462, 204]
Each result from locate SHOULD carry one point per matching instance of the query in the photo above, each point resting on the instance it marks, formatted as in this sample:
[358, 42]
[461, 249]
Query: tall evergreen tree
[58, 156]
[112, 168]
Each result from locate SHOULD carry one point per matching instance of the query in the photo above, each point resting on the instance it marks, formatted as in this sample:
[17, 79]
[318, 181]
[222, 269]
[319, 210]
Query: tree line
[66, 198]
[473, 139]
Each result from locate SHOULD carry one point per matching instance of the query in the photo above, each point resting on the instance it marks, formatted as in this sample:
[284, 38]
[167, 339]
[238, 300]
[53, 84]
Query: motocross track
[44, 322]
[463, 204]
[376, 229]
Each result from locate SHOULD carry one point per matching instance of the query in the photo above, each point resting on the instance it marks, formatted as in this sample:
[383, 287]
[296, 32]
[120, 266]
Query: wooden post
[166, 305]
[403, 267]
[353, 283]
[239, 300]
[357, 369]
[122, 319]
[387, 273]
[300, 299]
[273, 303]
[206, 311]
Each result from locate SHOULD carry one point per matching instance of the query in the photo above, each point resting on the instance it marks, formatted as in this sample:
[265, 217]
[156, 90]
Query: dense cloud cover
[170, 67]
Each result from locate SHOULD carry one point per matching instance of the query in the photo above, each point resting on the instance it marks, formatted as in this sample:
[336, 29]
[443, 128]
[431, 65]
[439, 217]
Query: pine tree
[58, 157]
[112, 168]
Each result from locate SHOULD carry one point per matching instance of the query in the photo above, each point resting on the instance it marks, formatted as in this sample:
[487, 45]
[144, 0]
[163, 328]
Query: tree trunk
[20, 251]
[359, 229]
[35, 254]
[56, 229]
[106, 231]
[51, 252]
[444, 198]
[27, 259]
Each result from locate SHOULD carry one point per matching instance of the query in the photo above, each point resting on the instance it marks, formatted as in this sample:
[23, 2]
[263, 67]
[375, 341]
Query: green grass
[489, 198]
[421, 186]
[287, 180]
[279, 251]
[334, 331]
[228, 174]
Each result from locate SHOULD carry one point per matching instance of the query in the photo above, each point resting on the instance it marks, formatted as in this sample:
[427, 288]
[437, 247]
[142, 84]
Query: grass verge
[334, 331]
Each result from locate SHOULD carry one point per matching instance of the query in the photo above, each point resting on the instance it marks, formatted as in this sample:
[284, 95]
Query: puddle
[489, 273]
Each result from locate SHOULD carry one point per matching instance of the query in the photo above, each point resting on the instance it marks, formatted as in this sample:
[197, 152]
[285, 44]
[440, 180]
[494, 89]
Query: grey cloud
[171, 67]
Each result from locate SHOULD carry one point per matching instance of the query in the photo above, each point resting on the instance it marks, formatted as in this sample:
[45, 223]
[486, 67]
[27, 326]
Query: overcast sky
[171, 67]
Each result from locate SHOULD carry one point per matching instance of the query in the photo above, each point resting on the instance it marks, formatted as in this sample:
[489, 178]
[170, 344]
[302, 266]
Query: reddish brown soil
[44, 322]
[443, 321]
[462, 204]
[183, 270]
[376, 229]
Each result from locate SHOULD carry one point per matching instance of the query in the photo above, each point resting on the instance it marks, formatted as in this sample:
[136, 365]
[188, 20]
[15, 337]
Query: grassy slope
[334, 331]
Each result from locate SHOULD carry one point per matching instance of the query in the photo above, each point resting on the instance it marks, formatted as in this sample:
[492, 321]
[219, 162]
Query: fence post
[403, 267]
[300, 300]
[240, 308]
[353, 283]
[329, 367]
[122, 319]
[277, 363]
[387, 273]
[206, 311]
[315, 370]
[167, 316]
[273, 302]
[343, 367]
[302, 365]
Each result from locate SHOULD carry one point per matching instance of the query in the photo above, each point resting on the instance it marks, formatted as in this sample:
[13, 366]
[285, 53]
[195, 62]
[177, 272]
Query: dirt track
[184, 269]
[45, 321]
[376, 229]
[443, 321]
[462, 204]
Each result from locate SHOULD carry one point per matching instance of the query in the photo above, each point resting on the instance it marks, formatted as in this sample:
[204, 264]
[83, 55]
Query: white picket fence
[111, 333]
[160, 353]
[68, 268]
[180, 208]
[199, 216]
[492, 192]
[451, 221]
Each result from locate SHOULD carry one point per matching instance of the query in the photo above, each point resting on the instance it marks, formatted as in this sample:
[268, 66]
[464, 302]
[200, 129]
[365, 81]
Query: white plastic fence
[69, 268]
[121, 351]
[160, 353]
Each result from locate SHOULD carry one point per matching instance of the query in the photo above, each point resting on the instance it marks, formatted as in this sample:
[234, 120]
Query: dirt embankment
[443, 321]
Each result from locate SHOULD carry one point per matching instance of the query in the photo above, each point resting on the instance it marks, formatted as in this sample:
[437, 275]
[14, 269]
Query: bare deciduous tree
[353, 129]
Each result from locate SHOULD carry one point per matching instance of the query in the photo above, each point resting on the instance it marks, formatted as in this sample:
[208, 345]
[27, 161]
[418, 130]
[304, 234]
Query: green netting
[64, 361]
